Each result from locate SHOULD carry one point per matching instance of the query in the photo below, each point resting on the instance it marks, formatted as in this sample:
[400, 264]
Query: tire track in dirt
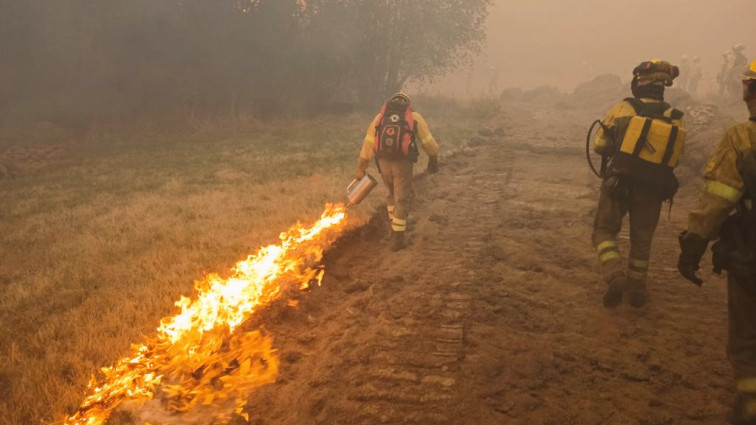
[396, 331]
[428, 315]
[453, 229]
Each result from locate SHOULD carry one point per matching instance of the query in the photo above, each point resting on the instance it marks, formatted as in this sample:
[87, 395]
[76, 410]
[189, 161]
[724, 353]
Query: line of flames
[195, 358]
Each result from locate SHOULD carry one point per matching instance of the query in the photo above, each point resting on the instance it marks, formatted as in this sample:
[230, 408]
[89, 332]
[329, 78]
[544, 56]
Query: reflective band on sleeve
[746, 385]
[749, 204]
[611, 255]
[390, 208]
[370, 138]
[398, 225]
[606, 244]
[636, 275]
[427, 139]
[723, 191]
[639, 264]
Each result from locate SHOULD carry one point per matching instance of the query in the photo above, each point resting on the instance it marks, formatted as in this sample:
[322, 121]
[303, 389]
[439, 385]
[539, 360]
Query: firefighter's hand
[359, 174]
[433, 165]
[692, 248]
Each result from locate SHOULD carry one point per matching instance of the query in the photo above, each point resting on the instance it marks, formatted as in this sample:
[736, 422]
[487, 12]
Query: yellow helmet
[656, 70]
[400, 97]
[750, 72]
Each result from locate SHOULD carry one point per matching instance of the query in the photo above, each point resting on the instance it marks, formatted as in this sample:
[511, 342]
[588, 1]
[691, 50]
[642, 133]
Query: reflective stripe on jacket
[724, 185]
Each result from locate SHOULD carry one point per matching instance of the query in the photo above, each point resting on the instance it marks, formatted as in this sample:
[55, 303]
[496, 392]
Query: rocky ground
[493, 315]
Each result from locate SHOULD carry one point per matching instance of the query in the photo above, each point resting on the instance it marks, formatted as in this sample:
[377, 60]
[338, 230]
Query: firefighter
[631, 188]
[682, 82]
[392, 139]
[731, 185]
[739, 62]
[696, 73]
[724, 73]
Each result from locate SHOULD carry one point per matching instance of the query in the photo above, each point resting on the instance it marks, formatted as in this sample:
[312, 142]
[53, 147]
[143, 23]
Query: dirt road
[493, 313]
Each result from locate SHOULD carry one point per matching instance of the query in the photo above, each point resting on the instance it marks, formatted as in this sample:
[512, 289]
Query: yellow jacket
[724, 185]
[621, 109]
[424, 136]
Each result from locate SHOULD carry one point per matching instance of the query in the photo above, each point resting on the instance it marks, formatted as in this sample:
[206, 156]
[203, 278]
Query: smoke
[563, 43]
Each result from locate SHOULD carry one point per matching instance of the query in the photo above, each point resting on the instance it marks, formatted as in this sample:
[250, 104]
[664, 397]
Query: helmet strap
[749, 92]
[751, 104]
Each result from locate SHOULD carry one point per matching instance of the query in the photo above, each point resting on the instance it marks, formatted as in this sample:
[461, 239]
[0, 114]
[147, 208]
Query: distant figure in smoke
[682, 82]
[638, 180]
[739, 61]
[724, 72]
[731, 185]
[392, 140]
[696, 73]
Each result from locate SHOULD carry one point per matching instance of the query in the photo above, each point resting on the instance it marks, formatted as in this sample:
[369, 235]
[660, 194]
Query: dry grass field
[96, 249]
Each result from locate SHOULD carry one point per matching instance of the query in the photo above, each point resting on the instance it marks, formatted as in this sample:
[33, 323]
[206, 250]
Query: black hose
[588, 148]
[605, 159]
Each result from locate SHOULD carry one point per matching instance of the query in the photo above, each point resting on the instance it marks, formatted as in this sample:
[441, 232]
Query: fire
[195, 358]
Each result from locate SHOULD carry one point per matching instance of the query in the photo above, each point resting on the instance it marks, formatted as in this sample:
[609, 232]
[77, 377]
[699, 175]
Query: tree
[80, 61]
[401, 40]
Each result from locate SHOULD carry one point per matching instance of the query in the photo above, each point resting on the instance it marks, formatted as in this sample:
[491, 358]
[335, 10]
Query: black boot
[636, 293]
[397, 241]
[613, 294]
[740, 415]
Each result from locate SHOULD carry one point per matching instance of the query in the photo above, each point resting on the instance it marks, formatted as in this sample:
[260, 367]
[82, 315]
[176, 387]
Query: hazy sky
[565, 42]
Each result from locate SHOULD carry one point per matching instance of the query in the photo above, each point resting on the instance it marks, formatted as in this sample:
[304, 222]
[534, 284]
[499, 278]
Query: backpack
[395, 133]
[649, 145]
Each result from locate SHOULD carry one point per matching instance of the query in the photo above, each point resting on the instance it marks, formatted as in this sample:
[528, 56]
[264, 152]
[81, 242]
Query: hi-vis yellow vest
[650, 145]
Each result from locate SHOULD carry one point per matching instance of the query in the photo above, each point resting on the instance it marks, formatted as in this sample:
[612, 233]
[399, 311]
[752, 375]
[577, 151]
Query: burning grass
[94, 254]
[196, 358]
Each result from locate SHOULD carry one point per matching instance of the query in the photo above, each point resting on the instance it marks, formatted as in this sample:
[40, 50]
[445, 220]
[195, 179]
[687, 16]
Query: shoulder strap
[662, 110]
[381, 115]
[637, 105]
[409, 119]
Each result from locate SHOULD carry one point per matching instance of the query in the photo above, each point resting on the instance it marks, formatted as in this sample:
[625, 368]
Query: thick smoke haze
[563, 43]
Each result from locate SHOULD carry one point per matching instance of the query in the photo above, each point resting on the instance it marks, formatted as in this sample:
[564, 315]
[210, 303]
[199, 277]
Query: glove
[433, 164]
[692, 248]
[361, 166]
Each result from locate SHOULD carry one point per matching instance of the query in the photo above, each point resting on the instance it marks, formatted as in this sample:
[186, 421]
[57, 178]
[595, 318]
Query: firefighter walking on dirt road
[392, 140]
[642, 139]
[731, 185]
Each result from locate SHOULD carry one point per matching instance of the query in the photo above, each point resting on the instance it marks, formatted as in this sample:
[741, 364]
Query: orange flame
[195, 359]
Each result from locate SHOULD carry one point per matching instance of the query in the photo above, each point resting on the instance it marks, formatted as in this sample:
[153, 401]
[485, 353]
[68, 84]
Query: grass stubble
[95, 252]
